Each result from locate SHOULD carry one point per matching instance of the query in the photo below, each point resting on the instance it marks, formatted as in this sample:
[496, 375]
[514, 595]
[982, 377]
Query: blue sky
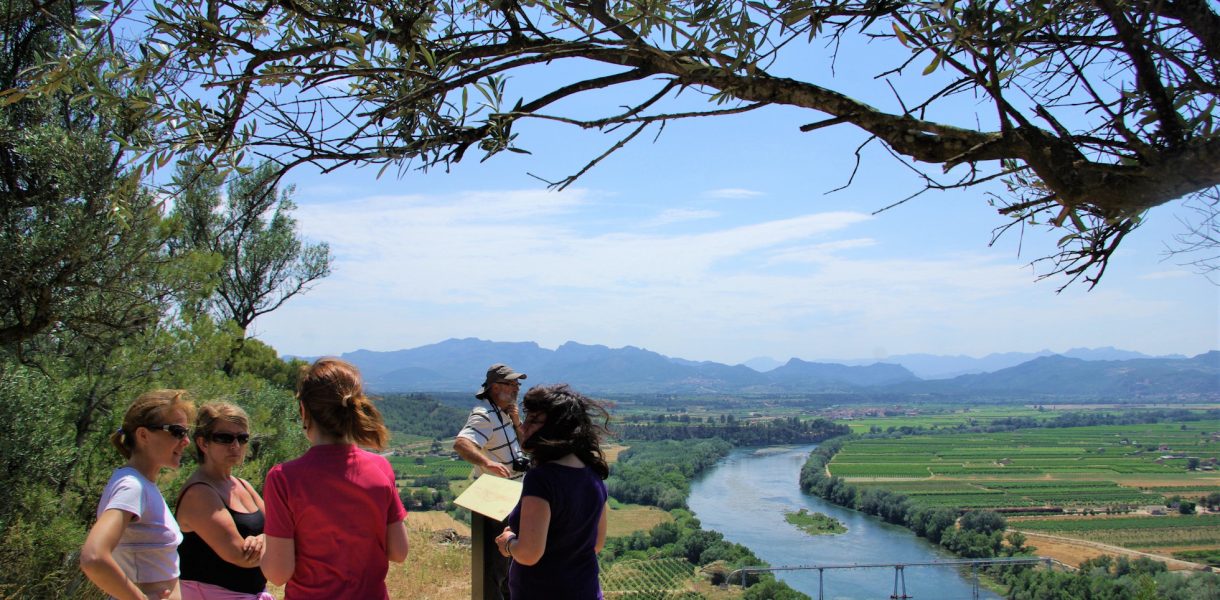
[717, 241]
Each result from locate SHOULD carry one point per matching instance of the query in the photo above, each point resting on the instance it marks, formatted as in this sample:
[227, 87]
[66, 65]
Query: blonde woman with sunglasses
[221, 515]
[131, 552]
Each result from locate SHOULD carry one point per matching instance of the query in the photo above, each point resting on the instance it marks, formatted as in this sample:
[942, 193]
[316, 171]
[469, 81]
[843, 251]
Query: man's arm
[471, 454]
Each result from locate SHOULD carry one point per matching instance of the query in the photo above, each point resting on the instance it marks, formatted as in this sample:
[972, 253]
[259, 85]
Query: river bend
[745, 497]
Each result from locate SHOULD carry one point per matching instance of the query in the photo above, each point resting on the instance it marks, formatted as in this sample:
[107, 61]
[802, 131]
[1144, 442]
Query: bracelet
[508, 546]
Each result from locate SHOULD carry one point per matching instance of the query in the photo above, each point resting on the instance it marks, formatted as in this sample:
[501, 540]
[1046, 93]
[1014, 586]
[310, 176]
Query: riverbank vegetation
[757, 432]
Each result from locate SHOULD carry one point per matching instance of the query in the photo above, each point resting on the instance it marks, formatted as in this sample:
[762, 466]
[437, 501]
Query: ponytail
[149, 410]
[332, 393]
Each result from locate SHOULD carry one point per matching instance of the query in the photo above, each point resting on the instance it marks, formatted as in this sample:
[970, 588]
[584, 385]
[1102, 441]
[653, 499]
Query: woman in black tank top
[221, 516]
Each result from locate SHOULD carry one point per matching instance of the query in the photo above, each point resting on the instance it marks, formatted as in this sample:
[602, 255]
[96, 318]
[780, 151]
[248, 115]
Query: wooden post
[478, 527]
[489, 500]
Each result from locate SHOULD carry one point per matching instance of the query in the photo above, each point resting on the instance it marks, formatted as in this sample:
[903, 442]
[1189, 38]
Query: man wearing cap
[489, 442]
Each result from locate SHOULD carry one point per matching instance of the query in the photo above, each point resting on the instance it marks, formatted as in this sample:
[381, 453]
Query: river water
[746, 496]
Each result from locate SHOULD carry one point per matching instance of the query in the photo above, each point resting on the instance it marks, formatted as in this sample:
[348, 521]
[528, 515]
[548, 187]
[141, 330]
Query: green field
[413, 467]
[1134, 532]
[1079, 467]
[662, 578]
[947, 417]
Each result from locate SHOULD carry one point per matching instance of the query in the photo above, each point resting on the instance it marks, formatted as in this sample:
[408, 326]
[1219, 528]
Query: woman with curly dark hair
[559, 526]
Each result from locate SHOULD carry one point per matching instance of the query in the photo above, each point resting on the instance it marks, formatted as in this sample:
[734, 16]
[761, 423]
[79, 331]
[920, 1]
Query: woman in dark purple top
[559, 526]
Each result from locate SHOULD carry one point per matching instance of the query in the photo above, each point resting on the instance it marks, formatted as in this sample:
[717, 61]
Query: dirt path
[1073, 551]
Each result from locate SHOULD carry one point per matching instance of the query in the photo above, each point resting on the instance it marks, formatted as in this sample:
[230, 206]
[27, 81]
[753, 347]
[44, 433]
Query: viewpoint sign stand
[489, 500]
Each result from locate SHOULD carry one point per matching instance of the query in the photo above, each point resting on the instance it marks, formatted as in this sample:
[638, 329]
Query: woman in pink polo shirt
[334, 518]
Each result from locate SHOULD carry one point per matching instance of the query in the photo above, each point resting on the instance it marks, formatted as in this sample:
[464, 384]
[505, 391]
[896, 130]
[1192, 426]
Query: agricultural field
[1103, 478]
[666, 577]
[1187, 537]
[1079, 467]
[415, 467]
[1138, 532]
[626, 519]
[939, 417]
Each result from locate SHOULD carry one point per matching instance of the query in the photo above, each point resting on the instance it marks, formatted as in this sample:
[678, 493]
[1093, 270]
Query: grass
[625, 519]
[434, 570]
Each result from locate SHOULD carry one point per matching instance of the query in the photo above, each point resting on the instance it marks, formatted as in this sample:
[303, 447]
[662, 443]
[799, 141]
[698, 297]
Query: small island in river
[815, 523]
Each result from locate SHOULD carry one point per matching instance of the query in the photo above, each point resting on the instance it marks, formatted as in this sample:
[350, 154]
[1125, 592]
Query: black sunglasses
[229, 438]
[177, 431]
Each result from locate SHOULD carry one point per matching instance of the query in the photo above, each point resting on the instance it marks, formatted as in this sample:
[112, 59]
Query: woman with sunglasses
[131, 552]
[334, 517]
[221, 516]
[559, 525]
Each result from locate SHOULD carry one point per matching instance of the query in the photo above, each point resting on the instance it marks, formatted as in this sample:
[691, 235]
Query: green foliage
[1105, 578]
[80, 238]
[676, 548]
[422, 415]
[1207, 557]
[35, 439]
[262, 261]
[37, 547]
[772, 589]
[259, 360]
[776, 431]
[814, 523]
[659, 473]
[983, 521]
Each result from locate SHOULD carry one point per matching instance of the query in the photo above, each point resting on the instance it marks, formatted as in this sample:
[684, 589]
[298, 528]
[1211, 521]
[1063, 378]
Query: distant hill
[458, 365]
[932, 366]
[1062, 375]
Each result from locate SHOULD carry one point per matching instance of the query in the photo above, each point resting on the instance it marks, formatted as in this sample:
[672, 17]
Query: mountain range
[457, 365]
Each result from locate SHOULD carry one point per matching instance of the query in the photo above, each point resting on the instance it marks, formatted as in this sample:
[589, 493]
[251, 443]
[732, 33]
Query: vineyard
[1080, 467]
[411, 467]
[662, 579]
[1134, 532]
[1001, 494]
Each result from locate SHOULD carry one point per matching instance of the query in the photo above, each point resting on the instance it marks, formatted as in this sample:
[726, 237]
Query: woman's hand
[504, 540]
[253, 547]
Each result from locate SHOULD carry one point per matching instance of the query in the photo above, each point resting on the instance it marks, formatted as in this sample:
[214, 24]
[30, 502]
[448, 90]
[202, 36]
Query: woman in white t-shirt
[131, 552]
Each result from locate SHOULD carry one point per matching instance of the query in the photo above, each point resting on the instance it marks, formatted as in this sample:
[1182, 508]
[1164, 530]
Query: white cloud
[730, 193]
[1160, 275]
[540, 266]
[679, 215]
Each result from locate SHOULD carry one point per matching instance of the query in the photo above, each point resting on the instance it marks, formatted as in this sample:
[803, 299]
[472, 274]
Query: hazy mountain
[458, 365]
[1062, 375]
[762, 364]
[933, 366]
[797, 372]
[1110, 353]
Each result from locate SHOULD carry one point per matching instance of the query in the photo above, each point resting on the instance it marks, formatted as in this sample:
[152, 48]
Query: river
[746, 496]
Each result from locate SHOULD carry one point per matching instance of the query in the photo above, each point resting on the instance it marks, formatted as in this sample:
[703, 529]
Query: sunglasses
[177, 431]
[229, 438]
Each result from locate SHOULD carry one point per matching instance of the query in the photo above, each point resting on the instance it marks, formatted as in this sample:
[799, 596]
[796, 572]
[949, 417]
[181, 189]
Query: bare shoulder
[199, 496]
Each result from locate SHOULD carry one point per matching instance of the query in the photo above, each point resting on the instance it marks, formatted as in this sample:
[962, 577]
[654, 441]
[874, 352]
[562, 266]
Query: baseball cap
[497, 373]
